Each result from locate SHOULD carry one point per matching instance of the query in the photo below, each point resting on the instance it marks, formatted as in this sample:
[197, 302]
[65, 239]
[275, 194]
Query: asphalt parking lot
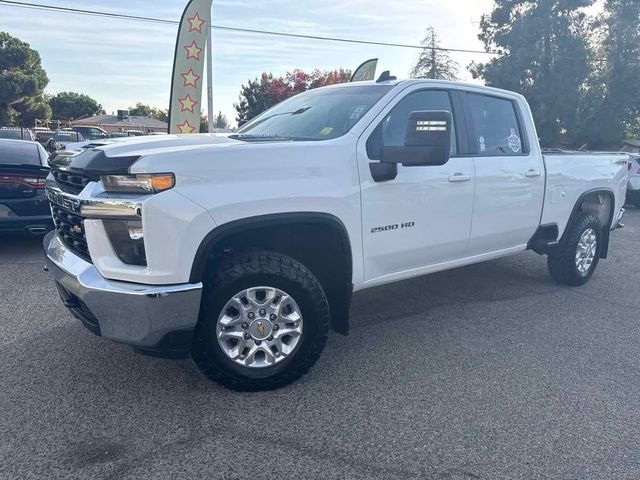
[486, 372]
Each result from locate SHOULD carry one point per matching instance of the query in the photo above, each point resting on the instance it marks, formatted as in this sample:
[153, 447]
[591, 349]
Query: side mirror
[427, 140]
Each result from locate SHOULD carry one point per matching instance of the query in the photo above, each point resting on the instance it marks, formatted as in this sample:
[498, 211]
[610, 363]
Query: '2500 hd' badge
[395, 226]
[63, 201]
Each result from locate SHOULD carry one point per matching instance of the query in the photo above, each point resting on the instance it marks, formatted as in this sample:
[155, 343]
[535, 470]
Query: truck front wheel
[576, 258]
[264, 322]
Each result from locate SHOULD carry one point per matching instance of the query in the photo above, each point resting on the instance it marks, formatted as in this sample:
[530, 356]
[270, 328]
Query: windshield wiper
[268, 137]
[264, 136]
[294, 112]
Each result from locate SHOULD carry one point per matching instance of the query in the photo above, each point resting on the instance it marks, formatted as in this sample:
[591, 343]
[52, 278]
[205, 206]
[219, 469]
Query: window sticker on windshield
[358, 111]
[514, 141]
[326, 130]
[483, 147]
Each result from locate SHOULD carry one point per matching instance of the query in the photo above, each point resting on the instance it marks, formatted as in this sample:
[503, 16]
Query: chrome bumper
[143, 316]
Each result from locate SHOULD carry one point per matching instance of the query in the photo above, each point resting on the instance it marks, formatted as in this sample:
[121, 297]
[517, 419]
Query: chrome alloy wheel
[586, 251]
[259, 327]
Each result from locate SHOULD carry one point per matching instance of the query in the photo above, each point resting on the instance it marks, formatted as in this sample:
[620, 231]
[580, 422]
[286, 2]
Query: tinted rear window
[496, 126]
[19, 153]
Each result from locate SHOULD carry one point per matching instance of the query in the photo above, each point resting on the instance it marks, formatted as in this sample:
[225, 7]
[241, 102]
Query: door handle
[532, 173]
[459, 177]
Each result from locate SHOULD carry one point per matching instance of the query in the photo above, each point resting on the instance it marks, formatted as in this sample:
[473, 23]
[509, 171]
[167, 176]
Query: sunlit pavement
[491, 371]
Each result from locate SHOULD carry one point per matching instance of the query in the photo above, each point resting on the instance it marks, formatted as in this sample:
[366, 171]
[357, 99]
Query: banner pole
[210, 76]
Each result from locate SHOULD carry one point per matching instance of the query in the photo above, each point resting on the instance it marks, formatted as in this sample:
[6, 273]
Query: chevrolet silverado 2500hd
[243, 250]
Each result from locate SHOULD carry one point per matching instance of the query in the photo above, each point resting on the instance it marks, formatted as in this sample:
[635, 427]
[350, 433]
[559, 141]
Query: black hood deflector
[95, 162]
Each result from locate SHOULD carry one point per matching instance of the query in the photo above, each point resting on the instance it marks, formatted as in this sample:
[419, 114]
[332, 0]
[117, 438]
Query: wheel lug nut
[258, 342]
[251, 315]
[270, 338]
[272, 317]
[247, 336]
[245, 325]
[276, 327]
[263, 311]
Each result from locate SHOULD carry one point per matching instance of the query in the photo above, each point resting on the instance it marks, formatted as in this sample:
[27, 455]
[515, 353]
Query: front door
[421, 218]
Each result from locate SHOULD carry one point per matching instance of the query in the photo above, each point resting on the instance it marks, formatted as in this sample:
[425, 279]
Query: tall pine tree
[433, 62]
[544, 55]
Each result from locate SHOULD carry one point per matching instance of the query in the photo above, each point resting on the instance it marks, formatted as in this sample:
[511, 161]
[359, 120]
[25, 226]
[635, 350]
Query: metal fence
[17, 133]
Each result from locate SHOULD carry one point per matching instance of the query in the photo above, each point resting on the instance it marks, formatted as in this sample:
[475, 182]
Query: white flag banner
[188, 67]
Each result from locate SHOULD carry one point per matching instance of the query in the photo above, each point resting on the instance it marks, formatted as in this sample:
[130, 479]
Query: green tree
[544, 55]
[220, 121]
[72, 105]
[142, 110]
[204, 123]
[254, 98]
[618, 77]
[260, 94]
[433, 62]
[22, 82]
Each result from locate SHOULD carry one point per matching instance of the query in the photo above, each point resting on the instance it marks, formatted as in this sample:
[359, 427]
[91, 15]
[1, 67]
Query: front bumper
[157, 320]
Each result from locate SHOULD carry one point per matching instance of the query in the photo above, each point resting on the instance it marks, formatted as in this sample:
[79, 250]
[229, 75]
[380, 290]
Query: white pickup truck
[243, 250]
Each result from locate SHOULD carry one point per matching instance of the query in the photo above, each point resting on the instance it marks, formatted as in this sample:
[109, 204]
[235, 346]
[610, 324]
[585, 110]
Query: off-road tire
[562, 262]
[251, 269]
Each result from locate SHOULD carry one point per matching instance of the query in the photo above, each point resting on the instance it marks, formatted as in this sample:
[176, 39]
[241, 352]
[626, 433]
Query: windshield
[19, 153]
[314, 115]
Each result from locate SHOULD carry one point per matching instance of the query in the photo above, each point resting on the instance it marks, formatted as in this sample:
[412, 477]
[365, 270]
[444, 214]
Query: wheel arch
[601, 202]
[312, 238]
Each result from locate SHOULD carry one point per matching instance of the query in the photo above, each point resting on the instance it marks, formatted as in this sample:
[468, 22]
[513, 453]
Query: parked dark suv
[23, 202]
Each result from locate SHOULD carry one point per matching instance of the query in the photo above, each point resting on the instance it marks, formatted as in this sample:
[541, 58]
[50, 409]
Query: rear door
[509, 175]
[422, 217]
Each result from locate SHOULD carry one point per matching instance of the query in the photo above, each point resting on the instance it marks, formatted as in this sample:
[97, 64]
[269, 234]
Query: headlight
[142, 183]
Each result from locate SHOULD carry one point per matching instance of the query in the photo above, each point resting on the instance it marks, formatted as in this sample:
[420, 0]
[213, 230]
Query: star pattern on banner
[193, 51]
[187, 104]
[196, 23]
[185, 127]
[190, 78]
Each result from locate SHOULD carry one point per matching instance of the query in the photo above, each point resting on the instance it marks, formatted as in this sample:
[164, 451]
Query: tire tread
[257, 262]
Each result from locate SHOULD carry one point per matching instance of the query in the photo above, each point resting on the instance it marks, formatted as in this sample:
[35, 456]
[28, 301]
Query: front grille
[70, 182]
[70, 228]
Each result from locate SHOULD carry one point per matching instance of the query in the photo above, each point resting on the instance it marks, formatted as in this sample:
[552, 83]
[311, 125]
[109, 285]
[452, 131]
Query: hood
[116, 155]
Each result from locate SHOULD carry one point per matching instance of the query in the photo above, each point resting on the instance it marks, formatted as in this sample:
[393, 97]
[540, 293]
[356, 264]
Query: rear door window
[495, 126]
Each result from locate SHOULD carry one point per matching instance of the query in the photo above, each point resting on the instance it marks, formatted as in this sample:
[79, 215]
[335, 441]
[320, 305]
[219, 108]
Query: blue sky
[121, 62]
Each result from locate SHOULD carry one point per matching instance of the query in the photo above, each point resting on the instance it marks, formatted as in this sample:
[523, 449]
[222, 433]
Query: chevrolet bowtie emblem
[260, 328]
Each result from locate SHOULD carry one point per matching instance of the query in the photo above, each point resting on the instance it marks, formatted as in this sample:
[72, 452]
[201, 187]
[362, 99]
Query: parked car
[43, 134]
[633, 188]
[91, 133]
[23, 200]
[244, 250]
[62, 138]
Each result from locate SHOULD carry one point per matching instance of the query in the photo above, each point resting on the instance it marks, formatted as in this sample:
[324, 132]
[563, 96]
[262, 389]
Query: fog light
[135, 230]
[127, 240]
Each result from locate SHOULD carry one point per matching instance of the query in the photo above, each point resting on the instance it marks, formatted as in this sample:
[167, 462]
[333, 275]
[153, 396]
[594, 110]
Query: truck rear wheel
[264, 322]
[577, 256]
